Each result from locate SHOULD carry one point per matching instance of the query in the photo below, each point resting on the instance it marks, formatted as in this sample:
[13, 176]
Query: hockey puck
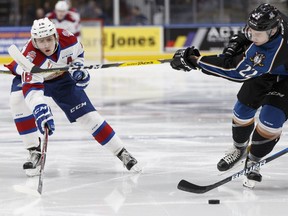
[214, 201]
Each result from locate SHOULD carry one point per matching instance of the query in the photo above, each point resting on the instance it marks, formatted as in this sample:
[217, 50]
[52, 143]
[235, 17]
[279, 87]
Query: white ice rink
[177, 125]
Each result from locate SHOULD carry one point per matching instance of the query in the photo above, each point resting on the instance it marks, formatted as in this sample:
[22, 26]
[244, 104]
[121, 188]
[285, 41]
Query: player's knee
[268, 130]
[271, 118]
[91, 121]
[242, 113]
[16, 100]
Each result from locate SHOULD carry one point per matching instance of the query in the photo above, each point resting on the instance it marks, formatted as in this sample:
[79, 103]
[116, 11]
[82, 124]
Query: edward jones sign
[132, 40]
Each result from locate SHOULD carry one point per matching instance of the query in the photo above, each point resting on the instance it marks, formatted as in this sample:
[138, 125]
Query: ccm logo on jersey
[79, 106]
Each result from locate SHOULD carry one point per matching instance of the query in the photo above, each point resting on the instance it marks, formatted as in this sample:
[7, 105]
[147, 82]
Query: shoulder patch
[31, 55]
[67, 33]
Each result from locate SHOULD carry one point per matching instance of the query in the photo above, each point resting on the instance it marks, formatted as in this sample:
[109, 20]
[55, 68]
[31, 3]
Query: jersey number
[248, 72]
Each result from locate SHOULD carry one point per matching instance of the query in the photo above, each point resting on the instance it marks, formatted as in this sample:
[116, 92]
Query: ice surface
[177, 125]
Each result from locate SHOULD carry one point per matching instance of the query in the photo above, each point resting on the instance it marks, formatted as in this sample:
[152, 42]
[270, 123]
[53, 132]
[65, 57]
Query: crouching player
[50, 47]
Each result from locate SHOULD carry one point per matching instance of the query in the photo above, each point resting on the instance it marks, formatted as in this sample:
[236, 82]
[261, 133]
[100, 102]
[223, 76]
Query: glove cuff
[193, 61]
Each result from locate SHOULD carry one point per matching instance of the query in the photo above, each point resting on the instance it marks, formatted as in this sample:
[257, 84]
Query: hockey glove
[237, 45]
[81, 77]
[44, 118]
[183, 59]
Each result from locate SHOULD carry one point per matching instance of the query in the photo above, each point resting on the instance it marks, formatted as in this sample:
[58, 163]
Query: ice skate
[128, 160]
[253, 176]
[231, 158]
[32, 165]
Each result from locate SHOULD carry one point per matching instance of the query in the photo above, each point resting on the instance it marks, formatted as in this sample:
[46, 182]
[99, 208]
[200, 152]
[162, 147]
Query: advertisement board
[132, 40]
[13, 35]
[207, 38]
[91, 39]
[116, 41]
[138, 42]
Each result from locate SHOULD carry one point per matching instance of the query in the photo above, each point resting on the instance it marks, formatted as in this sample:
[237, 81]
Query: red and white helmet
[43, 28]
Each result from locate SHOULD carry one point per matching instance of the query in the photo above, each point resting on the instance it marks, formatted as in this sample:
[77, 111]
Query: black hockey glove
[182, 59]
[237, 45]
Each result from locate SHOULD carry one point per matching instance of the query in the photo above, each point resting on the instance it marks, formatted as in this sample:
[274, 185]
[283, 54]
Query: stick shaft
[28, 66]
[43, 160]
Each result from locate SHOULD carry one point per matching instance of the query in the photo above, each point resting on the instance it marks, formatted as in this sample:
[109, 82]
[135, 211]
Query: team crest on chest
[258, 59]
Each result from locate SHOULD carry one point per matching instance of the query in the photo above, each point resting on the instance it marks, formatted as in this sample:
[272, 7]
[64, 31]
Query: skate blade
[247, 183]
[136, 169]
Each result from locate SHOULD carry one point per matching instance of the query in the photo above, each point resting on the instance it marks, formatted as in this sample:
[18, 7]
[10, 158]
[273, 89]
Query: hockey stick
[193, 188]
[5, 72]
[28, 190]
[42, 161]
[15, 53]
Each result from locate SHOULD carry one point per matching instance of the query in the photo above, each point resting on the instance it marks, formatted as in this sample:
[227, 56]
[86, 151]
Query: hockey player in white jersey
[50, 47]
[63, 18]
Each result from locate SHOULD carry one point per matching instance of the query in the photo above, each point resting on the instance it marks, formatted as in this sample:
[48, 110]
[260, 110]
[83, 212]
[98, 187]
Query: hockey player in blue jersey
[257, 57]
[50, 47]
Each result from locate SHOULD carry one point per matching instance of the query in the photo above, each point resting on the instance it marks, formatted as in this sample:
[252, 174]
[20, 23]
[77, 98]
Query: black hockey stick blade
[43, 160]
[193, 188]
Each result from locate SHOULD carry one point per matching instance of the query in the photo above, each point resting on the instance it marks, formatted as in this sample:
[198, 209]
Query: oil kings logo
[258, 59]
[77, 107]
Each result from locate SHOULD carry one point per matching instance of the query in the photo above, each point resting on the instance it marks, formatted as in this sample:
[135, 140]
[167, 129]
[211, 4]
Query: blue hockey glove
[182, 59]
[81, 77]
[44, 118]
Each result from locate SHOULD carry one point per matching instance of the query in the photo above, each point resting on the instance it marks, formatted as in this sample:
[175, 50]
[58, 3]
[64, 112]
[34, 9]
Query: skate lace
[233, 155]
